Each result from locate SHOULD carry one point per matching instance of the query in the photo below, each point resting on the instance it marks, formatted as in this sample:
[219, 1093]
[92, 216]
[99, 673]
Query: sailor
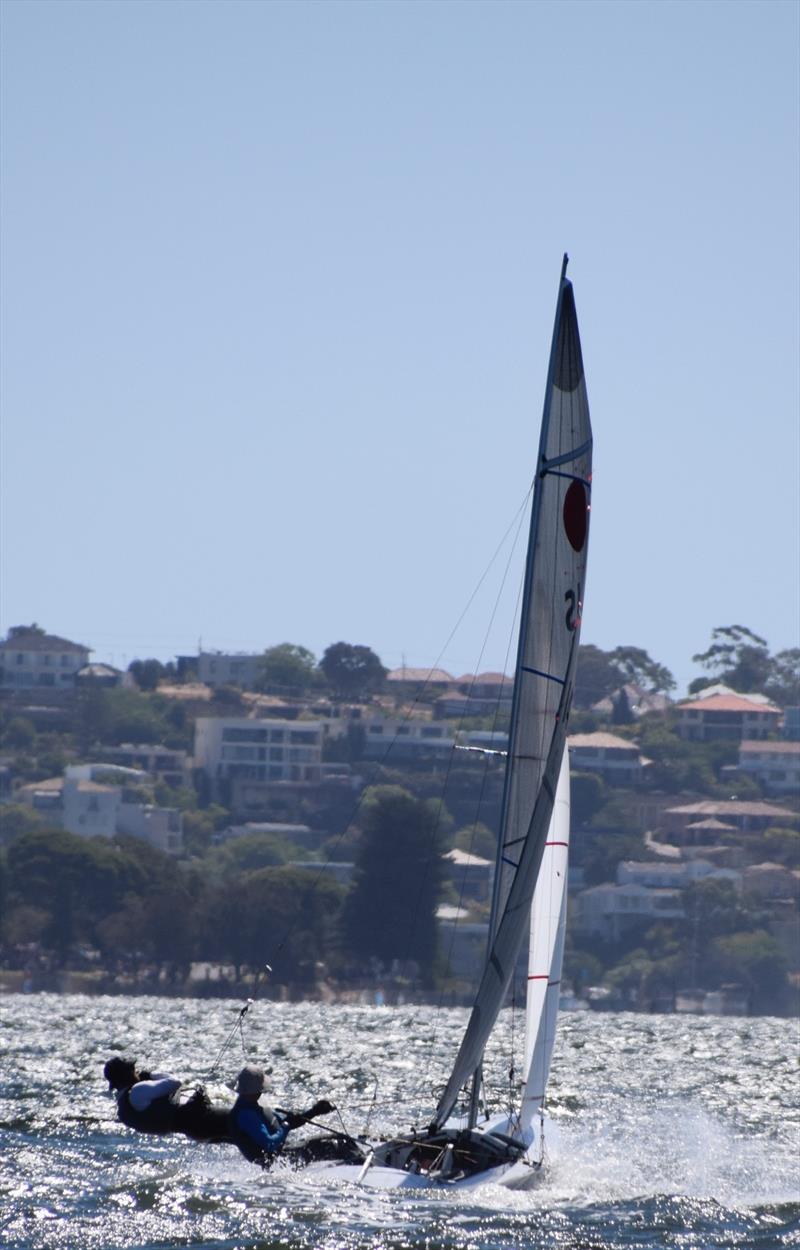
[145, 1100]
[260, 1131]
[148, 1102]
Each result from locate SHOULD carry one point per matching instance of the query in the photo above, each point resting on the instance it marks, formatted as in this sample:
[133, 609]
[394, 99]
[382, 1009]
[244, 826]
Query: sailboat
[464, 1144]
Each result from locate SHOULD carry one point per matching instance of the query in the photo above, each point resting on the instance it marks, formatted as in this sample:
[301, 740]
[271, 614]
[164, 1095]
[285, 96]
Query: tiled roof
[730, 807]
[419, 675]
[728, 703]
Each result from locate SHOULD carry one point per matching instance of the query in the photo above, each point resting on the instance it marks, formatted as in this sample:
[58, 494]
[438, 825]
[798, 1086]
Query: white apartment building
[243, 748]
[94, 810]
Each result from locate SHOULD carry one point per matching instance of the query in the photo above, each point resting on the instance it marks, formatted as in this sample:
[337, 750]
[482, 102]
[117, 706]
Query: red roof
[728, 703]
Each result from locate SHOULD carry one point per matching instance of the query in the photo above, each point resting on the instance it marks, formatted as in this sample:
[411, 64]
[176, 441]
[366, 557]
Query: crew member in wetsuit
[145, 1100]
[259, 1131]
[148, 1102]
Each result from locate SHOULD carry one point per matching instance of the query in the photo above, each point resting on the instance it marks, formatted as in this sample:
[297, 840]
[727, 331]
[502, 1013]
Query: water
[672, 1131]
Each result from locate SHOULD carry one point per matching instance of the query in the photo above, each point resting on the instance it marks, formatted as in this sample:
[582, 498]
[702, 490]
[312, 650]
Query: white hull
[520, 1174]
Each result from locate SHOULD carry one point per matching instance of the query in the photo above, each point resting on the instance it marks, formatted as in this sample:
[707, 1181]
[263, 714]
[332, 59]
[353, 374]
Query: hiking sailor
[260, 1131]
[149, 1103]
[145, 1100]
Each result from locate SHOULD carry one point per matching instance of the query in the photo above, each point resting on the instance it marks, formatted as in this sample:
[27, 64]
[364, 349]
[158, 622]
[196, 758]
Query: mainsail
[544, 679]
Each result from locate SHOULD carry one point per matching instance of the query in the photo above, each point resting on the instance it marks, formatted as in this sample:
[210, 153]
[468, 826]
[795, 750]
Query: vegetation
[143, 917]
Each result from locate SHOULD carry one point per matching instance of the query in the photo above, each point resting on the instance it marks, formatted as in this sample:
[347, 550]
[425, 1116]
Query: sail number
[573, 614]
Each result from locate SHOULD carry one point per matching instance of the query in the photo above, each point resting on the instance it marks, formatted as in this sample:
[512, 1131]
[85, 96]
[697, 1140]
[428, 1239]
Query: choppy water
[675, 1132]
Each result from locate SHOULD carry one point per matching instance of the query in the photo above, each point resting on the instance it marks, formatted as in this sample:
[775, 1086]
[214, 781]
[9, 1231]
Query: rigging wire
[516, 521]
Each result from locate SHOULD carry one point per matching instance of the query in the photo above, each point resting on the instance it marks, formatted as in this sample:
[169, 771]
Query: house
[791, 723]
[414, 682]
[485, 694]
[615, 759]
[168, 765]
[104, 676]
[775, 765]
[301, 835]
[607, 910]
[31, 659]
[219, 668]
[769, 880]
[731, 716]
[93, 809]
[674, 874]
[234, 749]
[640, 701]
[406, 738]
[689, 820]
[470, 874]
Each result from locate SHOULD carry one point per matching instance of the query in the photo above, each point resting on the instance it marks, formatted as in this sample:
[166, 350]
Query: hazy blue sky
[278, 282]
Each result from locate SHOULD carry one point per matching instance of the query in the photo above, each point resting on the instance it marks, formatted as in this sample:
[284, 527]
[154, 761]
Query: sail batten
[552, 605]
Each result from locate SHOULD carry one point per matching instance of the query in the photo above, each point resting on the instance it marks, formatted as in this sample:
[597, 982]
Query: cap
[250, 1080]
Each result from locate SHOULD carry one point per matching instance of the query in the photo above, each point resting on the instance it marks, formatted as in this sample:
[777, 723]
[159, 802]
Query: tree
[737, 657]
[588, 793]
[756, 960]
[148, 673]
[352, 671]
[621, 713]
[634, 665]
[600, 673]
[784, 679]
[596, 678]
[16, 819]
[286, 665]
[390, 913]
[20, 734]
[282, 914]
[477, 839]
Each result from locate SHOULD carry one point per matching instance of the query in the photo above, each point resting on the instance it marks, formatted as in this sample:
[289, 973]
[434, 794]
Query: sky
[277, 290]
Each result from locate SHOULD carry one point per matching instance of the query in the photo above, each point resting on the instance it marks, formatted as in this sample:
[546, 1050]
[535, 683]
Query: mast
[544, 677]
[522, 639]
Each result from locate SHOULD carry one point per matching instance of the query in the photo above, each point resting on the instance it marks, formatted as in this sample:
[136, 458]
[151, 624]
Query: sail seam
[566, 456]
[537, 672]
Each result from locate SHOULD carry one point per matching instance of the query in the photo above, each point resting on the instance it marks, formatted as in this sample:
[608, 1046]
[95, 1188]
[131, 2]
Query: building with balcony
[608, 910]
[774, 764]
[615, 759]
[732, 717]
[406, 739]
[30, 659]
[241, 748]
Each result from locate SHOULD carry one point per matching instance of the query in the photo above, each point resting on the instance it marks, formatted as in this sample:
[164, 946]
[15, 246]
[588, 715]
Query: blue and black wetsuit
[259, 1132]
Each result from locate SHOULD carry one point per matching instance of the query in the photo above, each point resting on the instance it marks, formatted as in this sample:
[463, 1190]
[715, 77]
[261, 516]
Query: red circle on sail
[576, 515]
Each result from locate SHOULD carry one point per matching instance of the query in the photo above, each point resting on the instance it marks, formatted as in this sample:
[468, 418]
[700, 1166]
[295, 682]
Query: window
[277, 735]
[20, 658]
[303, 735]
[244, 735]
